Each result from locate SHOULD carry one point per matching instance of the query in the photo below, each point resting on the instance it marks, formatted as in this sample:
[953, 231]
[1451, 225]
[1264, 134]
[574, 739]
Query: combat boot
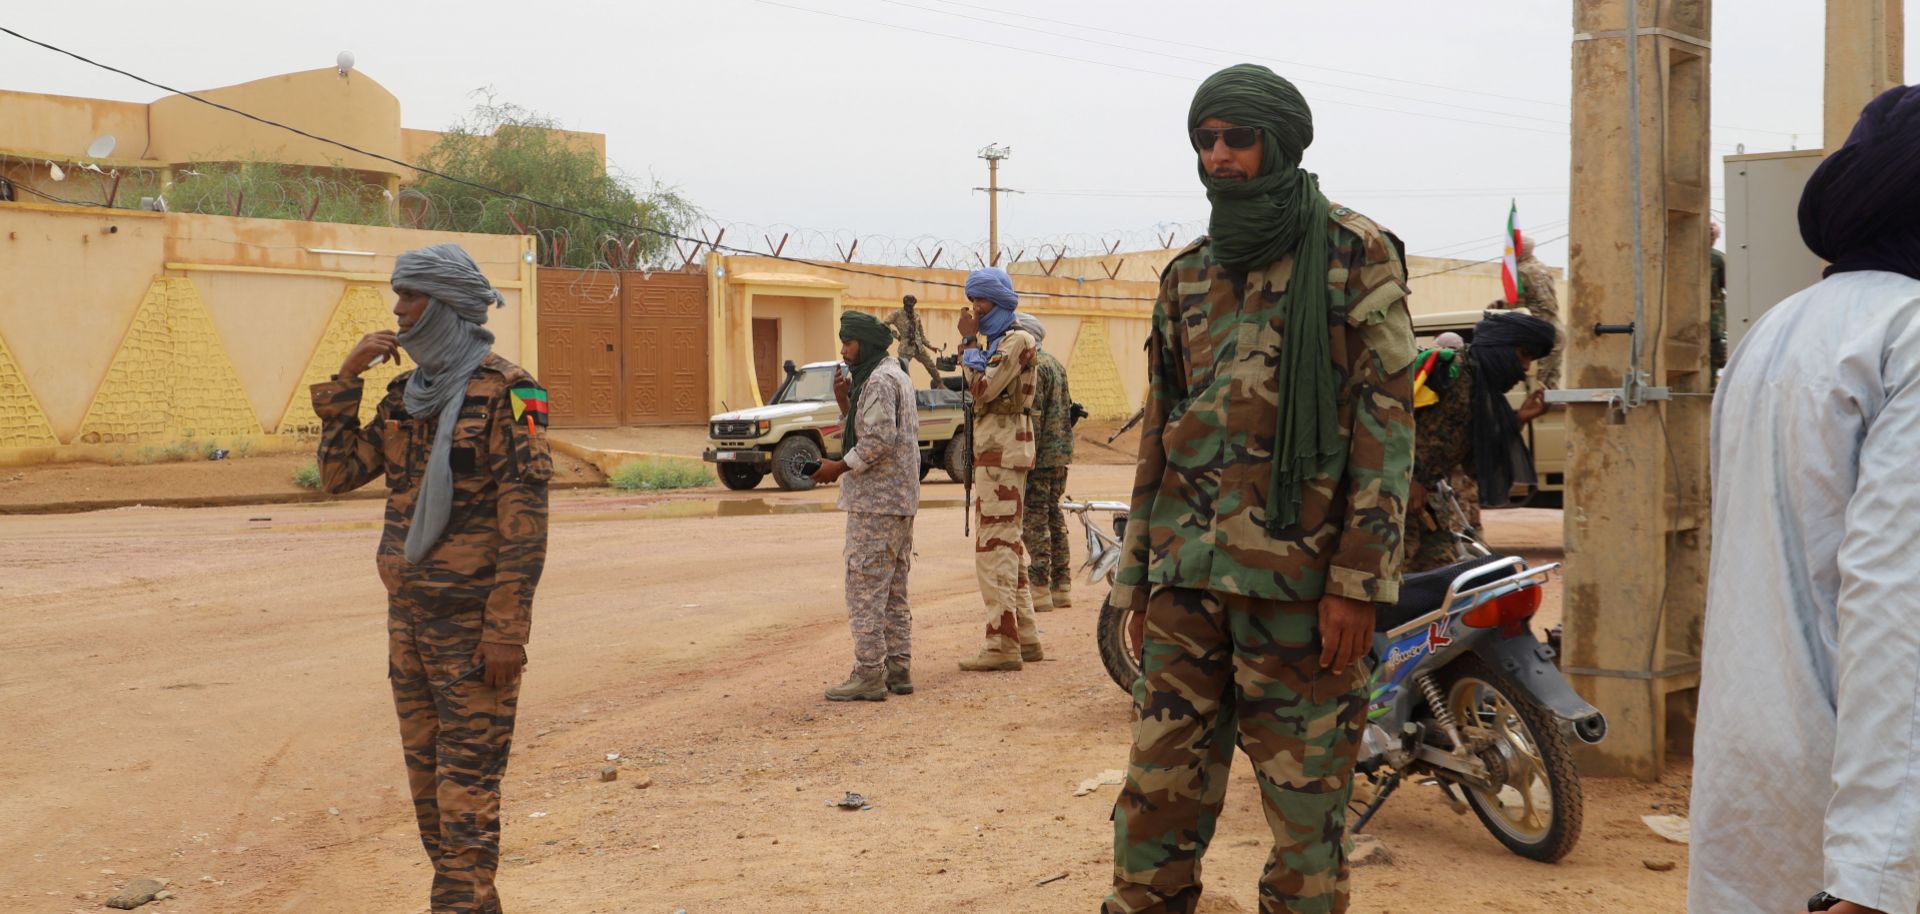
[1062, 597]
[991, 662]
[899, 680]
[1032, 653]
[860, 688]
[1042, 600]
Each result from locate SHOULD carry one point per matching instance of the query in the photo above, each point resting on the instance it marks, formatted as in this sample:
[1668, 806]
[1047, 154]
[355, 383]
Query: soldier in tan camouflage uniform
[1267, 508]
[1044, 531]
[1540, 300]
[999, 375]
[913, 339]
[461, 441]
[880, 493]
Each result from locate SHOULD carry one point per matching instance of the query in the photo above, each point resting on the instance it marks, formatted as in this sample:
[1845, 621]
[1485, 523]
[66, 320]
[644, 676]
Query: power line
[510, 195]
[1296, 63]
[1476, 263]
[1117, 66]
[1210, 63]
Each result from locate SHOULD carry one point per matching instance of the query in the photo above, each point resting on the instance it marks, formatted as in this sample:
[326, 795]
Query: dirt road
[200, 695]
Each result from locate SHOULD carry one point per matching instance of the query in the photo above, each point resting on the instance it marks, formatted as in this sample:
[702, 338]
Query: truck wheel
[787, 458]
[925, 468]
[739, 477]
[959, 458]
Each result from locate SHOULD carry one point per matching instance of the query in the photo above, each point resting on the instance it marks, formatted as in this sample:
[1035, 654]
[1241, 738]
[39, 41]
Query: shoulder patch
[529, 403]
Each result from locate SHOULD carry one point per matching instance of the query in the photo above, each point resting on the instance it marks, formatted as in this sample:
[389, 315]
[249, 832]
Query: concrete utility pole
[1638, 400]
[1865, 44]
[993, 153]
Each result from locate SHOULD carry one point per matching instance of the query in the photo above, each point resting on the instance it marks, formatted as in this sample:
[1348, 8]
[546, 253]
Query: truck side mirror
[789, 367]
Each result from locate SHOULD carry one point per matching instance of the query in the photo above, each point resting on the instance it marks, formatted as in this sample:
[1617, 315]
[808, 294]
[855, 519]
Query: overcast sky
[865, 116]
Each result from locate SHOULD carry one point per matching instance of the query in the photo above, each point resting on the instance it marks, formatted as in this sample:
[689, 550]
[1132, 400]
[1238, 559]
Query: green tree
[510, 148]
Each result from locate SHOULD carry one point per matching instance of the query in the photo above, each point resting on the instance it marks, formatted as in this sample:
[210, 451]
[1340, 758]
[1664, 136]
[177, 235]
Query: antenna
[344, 63]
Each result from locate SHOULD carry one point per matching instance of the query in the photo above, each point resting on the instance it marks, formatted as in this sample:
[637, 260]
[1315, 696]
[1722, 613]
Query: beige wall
[807, 326]
[1438, 284]
[1099, 339]
[124, 328]
[352, 109]
[62, 126]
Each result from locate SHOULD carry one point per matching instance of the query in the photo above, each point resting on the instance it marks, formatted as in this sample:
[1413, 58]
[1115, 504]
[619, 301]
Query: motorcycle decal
[1436, 639]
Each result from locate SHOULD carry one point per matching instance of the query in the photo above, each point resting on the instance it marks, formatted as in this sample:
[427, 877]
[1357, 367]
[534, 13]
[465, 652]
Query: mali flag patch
[530, 407]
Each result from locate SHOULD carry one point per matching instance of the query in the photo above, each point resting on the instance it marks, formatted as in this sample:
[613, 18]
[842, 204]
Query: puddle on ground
[664, 510]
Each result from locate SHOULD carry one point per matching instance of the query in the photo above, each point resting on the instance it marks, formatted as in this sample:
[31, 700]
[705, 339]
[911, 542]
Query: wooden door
[579, 347]
[766, 356]
[665, 348]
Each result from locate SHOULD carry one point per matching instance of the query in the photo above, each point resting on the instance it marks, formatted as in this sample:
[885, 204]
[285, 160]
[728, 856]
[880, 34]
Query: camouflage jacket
[495, 543]
[1206, 445]
[1540, 299]
[1002, 399]
[1443, 436]
[906, 328]
[883, 469]
[1716, 276]
[1052, 412]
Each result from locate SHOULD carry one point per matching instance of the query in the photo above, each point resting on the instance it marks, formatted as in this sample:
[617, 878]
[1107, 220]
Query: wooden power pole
[1638, 398]
[993, 153]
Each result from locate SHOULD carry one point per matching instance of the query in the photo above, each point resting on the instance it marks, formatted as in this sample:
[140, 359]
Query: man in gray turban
[461, 440]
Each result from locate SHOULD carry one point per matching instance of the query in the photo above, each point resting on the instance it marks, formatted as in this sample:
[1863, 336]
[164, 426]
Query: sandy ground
[200, 695]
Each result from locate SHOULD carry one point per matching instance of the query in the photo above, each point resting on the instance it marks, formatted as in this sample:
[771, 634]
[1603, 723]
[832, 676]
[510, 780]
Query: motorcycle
[1464, 696]
[1461, 695]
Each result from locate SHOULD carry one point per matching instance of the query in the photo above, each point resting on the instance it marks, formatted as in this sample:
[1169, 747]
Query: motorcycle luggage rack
[1454, 591]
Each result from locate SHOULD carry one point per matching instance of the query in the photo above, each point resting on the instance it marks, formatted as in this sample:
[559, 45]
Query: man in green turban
[1275, 457]
[879, 475]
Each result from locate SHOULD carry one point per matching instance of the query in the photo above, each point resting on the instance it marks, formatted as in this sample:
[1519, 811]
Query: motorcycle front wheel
[1537, 807]
[1117, 651]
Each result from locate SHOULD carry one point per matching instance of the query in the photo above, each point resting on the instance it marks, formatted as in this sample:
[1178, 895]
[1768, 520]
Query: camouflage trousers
[1044, 530]
[1220, 667]
[1000, 559]
[879, 555]
[919, 354]
[456, 731]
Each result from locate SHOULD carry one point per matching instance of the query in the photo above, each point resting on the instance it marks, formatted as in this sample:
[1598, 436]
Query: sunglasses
[1236, 137]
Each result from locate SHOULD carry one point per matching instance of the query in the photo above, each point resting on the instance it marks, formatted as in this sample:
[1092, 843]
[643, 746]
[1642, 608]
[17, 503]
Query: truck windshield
[813, 385]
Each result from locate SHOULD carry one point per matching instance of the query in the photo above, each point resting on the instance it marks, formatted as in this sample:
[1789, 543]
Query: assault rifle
[1142, 414]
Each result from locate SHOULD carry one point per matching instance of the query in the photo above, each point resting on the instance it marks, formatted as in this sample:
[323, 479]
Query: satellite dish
[102, 147]
[344, 62]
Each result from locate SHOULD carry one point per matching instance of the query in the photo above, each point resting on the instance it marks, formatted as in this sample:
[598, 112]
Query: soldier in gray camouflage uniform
[880, 493]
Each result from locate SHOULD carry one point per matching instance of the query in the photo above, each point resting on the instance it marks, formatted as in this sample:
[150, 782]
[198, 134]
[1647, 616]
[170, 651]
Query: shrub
[655, 475]
[307, 477]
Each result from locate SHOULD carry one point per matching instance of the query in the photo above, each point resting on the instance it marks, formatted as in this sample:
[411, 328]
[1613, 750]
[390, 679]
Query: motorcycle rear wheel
[1116, 651]
[1536, 812]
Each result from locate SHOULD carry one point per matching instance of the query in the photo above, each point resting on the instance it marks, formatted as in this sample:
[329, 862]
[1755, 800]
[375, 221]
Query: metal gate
[623, 347]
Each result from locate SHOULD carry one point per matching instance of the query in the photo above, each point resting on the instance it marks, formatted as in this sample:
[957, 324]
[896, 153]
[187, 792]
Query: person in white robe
[1807, 750]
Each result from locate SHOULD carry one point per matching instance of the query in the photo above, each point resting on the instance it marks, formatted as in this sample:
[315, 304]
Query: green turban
[874, 339]
[1256, 222]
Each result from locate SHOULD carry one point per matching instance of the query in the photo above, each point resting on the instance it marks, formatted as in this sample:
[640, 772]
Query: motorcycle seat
[1421, 593]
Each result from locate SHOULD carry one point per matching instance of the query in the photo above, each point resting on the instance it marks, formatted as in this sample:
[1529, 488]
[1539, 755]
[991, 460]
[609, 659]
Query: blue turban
[994, 285]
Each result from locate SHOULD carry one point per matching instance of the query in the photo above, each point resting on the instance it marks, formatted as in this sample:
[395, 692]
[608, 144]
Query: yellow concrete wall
[125, 328]
[1112, 316]
[62, 127]
[353, 109]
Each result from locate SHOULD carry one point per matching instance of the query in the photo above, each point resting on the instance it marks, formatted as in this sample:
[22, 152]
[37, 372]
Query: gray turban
[447, 274]
[1032, 325]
